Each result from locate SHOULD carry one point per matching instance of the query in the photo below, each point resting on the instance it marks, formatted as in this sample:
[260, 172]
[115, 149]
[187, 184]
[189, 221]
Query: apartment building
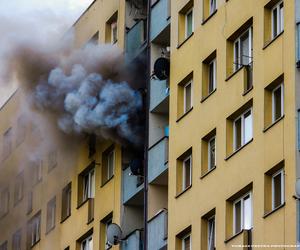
[222, 143]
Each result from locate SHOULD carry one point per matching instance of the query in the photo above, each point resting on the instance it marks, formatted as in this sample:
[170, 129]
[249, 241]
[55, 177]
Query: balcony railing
[158, 157]
[134, 241]
[135, 40]
[160, 17]
[159, 96]
[132, 186]
[158, 230]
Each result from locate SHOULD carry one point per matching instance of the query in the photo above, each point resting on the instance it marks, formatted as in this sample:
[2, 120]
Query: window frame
[212, 63]
[51, 215]
[280, 86]
[242, 117]
[279, 20]
[212, 10]
[184, 238]
[239, 62]
[112, 167]
[91, 185]
[184, 184]
[185, 110]
[208, 231]
[87, 239]
[282, 196]
[242, 216]
[209, 167]
[191, 10]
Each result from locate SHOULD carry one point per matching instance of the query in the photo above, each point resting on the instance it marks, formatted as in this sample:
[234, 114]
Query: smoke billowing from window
[85, 88]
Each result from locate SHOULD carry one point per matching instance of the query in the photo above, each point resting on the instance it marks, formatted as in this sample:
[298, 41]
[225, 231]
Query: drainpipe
[148, 72]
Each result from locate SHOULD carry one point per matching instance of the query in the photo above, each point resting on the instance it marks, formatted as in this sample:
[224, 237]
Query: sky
[17, 8]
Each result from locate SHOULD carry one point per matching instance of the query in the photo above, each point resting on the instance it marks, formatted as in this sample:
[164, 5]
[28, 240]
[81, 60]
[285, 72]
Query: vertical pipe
[147, 127]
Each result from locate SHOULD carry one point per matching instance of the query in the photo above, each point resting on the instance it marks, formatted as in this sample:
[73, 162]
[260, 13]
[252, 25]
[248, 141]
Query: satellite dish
[162, 68]
[298, 187]
[114, 234]
[136, 167]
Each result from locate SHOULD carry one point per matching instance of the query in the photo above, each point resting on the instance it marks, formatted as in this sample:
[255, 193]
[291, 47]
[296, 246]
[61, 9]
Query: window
[243, 50]
[19, 187]
[17, 240]
[212, 76]
[34, 230]
[277, 103]
[188, 97]
[189, 23]
[242, 213]
[51, 214]
[89, 185]
[108, 164]
[105, 222]
[52, 160]
[186, 242]
[4, 202]
[243, 129]
[7, 144]
[66, 202]
[211, 233]
[277, 19]
[86, 184]
[107, 245]
[3, 246]
[21, 129]
[211, 153]
[29, 202]
[36, 168]
[212, 6]
[87, 244]
[277, 189]
[187, 173]
[111, 32]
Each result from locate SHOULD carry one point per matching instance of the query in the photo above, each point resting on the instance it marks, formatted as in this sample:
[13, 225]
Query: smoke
[87, 89]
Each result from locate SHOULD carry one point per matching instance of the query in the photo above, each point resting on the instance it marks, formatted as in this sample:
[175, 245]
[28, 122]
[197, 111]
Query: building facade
[222, 136]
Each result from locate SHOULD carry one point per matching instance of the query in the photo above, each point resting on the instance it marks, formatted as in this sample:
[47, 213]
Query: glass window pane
[248, 127]
[277, 191]
[211, 234]
[189, 24]
[274, 22]
[187, 243]
[281, 18]
[237, 214]
[188, 97]
[213, 6]
[187, 173]
[211, 84]
[245, 51]
[236, 55]
[212, 152]
[277, 104]
[247, 212]
[238, 133]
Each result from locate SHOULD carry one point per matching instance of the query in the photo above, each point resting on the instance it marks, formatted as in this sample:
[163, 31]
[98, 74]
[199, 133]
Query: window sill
[185, 114]
[107, 181]
[90, 221]
[82, 203]
[274, 210]
[274, 123]
[64, 219]
[204, 98]
[234, 73]
[234, 236]
[185, 40]
[34, 244]
[182, 192]
[247, 91]
[238, 150]
[209, 17]
[208, 172]
[50, 230]
[267, 44]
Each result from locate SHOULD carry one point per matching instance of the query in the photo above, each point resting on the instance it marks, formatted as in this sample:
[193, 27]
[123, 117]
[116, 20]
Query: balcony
[158, 231]
[135, 40]
[160, 20]
[132, 188]
[158, 157]
[134, 241]
[159, 96]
